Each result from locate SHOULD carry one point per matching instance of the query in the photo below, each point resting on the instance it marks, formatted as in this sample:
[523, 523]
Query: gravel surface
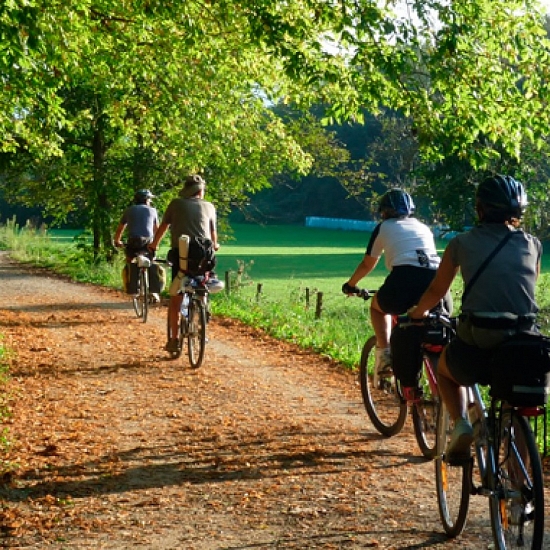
[266, 446]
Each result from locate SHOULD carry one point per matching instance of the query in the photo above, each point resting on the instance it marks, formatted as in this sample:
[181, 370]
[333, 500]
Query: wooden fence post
[227, 282]
[307, 298]
[319, 307]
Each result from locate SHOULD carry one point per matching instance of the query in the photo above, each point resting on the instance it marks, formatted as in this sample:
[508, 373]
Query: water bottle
[185, 305]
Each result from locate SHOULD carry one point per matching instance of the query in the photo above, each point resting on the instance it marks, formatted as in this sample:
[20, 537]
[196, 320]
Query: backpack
[200, 256]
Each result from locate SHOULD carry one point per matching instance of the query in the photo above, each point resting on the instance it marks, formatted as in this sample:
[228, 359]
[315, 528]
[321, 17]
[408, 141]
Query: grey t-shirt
[140, 220]
[507, 284]
[193, 216]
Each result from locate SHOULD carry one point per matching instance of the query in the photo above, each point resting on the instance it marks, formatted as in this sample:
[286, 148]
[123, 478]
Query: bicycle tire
[517, 506]
[138, 299]
[181, 334]
[196, 332]
[453, 481]
[424, 413]
[381, 398]
[144, 293]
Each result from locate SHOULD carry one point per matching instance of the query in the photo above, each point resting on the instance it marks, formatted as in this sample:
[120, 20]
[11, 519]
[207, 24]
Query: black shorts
[403, 287]
[467, 364]
[173, 257]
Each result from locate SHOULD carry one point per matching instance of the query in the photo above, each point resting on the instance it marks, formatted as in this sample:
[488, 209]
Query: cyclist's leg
[174, 315]
[455, 398]
[381, 324]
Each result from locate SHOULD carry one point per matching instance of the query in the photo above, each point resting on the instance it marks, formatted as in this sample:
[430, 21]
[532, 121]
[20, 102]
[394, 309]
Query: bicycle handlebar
[362, 293]
[432, 319]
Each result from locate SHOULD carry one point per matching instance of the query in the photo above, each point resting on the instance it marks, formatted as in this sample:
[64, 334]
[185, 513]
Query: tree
[188, 86]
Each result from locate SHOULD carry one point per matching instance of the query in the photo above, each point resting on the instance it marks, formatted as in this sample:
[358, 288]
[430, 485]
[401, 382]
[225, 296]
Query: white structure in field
[340, 223]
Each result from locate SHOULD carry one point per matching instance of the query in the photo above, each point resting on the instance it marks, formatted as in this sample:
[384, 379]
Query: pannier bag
[196, 255]
[520, 370]
[406, 353]
[409, 341]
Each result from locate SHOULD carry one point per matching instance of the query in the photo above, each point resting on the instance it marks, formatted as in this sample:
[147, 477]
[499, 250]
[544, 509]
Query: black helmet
[501, 195]
[142, 196]
[397, 203]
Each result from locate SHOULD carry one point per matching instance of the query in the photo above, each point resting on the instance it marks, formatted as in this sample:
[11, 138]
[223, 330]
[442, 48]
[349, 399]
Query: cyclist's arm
[159, 233]
[446, 272]
[118, 234]
[368, 263]
[214, 235]
[213, 228]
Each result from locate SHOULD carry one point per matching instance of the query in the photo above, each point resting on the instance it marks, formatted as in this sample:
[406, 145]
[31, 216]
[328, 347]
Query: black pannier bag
[520, 370]
[201, 256]
[406, 352]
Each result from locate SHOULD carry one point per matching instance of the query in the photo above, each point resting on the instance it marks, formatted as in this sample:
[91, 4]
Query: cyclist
[189, 214]
[141, 221]
[412, 259]
[498, 300]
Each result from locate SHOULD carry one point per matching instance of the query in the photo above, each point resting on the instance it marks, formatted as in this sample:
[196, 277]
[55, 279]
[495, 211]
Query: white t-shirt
[405, 241]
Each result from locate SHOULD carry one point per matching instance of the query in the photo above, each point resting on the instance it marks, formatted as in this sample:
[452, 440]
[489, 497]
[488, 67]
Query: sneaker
[172, 346]
[155, 298]
[462, 437]
[383, 362]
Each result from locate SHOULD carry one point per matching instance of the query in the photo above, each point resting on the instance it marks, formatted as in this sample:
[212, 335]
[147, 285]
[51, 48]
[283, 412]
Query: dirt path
[264, 447]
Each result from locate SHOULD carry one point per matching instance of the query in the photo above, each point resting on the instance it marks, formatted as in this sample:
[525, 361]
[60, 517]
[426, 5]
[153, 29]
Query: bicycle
[387, 402]
[194, 316]
[142, 298]
[506, 460]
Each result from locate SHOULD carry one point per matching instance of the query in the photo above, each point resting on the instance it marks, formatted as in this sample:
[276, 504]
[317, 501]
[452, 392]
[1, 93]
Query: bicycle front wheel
[517, 504]
[424, 413]
[383, 403]
[196, 332]
[452, 480]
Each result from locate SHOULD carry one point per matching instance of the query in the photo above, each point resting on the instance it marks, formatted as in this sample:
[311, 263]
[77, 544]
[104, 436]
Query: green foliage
[100, 98]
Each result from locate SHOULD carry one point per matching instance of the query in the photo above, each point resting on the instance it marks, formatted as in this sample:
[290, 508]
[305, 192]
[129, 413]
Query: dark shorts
[174, 258]
[467, 364]
[403, 287]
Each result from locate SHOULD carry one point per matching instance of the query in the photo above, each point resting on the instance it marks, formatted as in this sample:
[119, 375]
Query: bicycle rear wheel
[517, 506]
[424, 413]
[383, 403]
[452, 481]
[196, 333]
[141, 300]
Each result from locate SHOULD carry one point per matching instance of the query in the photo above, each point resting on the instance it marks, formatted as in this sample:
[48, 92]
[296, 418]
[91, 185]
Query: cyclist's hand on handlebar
[415, 314]
[350, 290]
[118, 244]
